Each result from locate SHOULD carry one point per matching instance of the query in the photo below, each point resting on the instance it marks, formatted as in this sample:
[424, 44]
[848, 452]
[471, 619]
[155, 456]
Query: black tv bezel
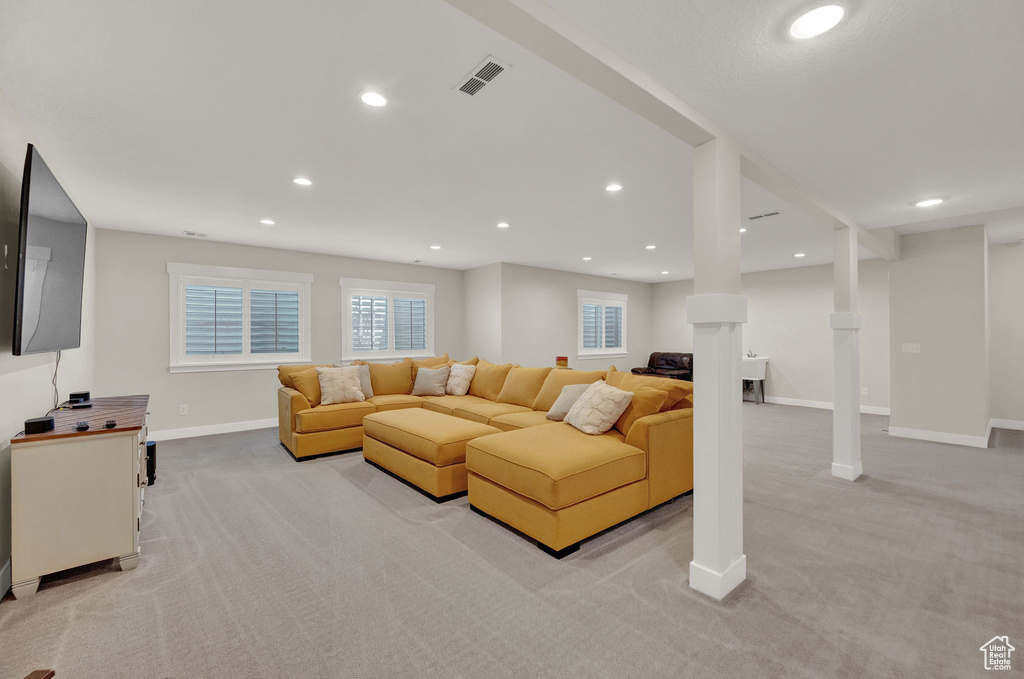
[19, 286]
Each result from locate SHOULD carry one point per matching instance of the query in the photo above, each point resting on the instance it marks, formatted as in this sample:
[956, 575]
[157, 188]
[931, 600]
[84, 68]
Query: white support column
[846, 324]
[717, 312]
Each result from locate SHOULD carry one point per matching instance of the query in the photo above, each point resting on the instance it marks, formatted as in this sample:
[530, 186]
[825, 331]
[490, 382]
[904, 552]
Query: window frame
[182, 275]
[391, 290]
[605, 299]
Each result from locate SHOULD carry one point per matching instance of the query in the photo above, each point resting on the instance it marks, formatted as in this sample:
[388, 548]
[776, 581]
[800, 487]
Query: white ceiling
[167, 117]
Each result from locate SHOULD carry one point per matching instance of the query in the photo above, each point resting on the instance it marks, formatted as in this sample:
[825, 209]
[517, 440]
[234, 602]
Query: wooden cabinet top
[129, 411]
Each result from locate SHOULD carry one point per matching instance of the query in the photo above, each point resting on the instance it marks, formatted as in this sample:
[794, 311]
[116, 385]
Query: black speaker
[150, 462]
[78, 397]
[39, 425]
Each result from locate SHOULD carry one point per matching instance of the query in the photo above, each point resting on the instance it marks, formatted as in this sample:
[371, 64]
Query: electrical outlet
[911, 348]
[864, 391]
[183, 410]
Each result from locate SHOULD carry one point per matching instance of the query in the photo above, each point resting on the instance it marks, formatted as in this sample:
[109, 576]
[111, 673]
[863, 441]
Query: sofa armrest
[289, 402]
[667, 438]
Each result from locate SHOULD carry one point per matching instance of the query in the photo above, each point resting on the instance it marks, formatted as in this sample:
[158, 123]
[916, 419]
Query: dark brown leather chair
[668, 364]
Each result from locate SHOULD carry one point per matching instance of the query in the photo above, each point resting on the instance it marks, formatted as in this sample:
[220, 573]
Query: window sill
[584, 357]
[228, 367]
[384, 359]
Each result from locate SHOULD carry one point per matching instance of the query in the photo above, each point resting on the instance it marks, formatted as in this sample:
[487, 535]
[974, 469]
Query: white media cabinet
[76, 497]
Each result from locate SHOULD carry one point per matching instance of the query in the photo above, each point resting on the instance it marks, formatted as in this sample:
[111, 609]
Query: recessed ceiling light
[302, 181]
[664, 273]
[651, 247]
[373, 99]
[800, 254]
[587, 259]
[503, 225]
[435, 247]
[816, 22]
[743, 230]
[268, 222]
[613, 187]
[929, 202]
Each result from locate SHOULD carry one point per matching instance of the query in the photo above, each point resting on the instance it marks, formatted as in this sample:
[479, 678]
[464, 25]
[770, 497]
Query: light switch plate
[911, 348]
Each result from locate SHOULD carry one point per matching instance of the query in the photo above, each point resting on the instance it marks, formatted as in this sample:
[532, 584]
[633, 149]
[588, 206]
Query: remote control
[110, 424]
[81, 426]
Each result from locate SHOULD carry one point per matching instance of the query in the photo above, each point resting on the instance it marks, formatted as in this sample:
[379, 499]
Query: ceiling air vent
[766, 214]
[194, 234]
[486, 71]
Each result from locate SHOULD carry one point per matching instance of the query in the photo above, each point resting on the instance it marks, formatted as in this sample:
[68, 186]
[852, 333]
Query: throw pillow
[435, 362]
[566, 400]
[339, 385]
[307, 382]
[677, 390]
[489, 379]
[521, 386]
[430, 381]
[557, 379]
[598, 408]
[391, 378]
[364, 376]
[459, 379]
[468, 361]
[645, 401]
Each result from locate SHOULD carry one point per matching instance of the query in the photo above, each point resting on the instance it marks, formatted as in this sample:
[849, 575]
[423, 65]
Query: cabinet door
[73, 502]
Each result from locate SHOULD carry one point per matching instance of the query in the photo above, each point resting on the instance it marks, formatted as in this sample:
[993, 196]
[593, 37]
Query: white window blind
[225, 318]
[602, 324]
[387, 319]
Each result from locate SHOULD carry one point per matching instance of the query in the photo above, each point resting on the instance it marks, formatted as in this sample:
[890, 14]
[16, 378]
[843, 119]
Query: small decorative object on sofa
[672, 364]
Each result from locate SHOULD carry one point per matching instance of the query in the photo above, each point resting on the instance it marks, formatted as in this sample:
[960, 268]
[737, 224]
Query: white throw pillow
[566, 399]
[339, 385]
[430, 381]
[364, 377]
[598, 408]
[459, 379]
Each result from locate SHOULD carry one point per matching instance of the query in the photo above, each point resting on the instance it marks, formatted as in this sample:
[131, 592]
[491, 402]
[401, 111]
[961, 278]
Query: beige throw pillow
[364, 376]
[339, 385]
[598, 408]
[430, 381]
[460, 378]
[566, 400]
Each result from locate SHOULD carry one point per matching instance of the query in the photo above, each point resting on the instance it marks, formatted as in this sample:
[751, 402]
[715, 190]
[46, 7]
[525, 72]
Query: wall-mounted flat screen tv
[51, 264]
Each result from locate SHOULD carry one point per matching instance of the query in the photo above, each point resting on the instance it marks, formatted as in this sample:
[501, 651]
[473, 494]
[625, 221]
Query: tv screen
[51, 264]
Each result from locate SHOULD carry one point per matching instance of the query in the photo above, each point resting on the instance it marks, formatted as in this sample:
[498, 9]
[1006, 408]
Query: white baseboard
[824, 405]
[940, 437]
[5, 579]
[226, 428]
[1017, 425]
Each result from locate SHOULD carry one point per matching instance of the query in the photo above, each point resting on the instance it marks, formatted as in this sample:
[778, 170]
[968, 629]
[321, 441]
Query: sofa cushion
[677, 389]
[468, 361]
[340, 385]
[395, 401]
[557, 379]
[446, 404]
[391, 378]
[436, 438]
[483, 412]
[646, 401]
[513, 421]
[307, 382]
[460, 376]
[556, 465]
[433, 362]
[598, 408]
[337, 416]
[284, 372]
[430, 381]
[522, 385]
[488, 380]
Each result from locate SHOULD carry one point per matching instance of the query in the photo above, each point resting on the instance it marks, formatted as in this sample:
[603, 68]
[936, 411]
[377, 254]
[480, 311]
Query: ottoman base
[439, 483]
[435, 498]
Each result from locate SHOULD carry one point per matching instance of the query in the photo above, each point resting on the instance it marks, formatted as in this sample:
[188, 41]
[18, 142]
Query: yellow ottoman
[423, 447]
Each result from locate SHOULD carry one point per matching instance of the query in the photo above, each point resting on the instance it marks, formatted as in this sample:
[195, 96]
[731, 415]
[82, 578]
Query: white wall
[788, 321]
[1006, 304]
[539, 311]
[481, 318]
[25, 388]
[133, 335]
[937, 299]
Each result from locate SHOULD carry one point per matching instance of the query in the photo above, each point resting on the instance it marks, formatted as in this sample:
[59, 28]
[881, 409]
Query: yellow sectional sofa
[546, 479]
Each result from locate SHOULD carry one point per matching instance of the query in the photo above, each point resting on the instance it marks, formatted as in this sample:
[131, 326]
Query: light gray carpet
[254, 565]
